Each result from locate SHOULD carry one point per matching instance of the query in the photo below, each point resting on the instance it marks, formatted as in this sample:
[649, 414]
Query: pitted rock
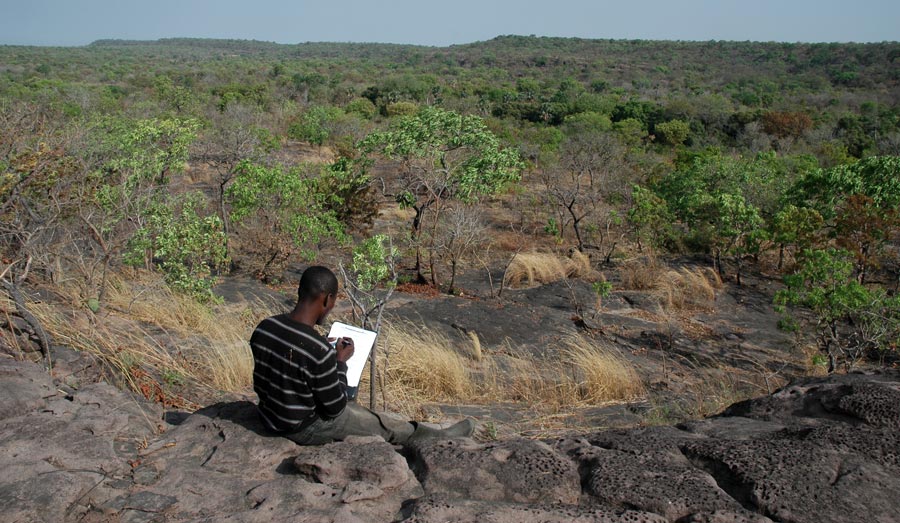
[724, 516]
[879, 444]
[851, 398]
[795, 481]
[441, 509]
[732, 428]
[643, 440]
[659, 482]
[369, 460]
[520, 471]
[874, 403]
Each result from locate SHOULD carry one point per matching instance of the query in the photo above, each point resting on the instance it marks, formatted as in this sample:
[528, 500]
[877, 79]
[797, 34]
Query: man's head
[317, 291]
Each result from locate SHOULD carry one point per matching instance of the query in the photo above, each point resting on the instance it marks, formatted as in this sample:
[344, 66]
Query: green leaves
[287, 206]
[451, 155]
[877, 177]
[312, 125]
[149, 149]
[850, 318]
[187, 245]
[371, 264]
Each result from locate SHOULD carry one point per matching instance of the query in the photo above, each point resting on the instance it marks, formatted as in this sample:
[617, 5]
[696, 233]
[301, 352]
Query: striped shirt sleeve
[328, 383]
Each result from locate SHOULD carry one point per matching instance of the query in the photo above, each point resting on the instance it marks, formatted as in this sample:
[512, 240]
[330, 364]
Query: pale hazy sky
[446, 22]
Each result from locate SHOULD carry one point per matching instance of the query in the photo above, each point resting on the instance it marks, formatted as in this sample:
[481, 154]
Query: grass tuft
[476, 346]
[532, 268]
[421, 363]
[688, 288]
[676, 289]
[601, 374]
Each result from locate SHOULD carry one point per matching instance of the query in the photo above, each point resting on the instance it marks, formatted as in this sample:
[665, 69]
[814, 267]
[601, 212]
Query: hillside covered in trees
[199, 159]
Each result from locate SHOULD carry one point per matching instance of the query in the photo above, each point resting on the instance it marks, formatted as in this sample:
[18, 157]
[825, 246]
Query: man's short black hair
[315, 282]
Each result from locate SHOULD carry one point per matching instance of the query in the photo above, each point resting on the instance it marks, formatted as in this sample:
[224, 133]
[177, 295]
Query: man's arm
[329, 380]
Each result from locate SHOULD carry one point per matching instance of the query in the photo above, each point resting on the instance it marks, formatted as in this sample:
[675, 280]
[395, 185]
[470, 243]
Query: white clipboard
[363, 340]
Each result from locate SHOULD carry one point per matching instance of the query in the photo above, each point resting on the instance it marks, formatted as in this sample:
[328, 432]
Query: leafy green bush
[850, 320]
[284, 214]
[186, 246]
[312, 125]
[673, 132]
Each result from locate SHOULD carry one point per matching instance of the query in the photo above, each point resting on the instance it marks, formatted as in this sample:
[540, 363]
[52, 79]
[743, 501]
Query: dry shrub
[506, 240]
[532, 268]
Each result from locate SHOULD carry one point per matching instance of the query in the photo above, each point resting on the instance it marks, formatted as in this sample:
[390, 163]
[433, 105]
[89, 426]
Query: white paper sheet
[363, 340]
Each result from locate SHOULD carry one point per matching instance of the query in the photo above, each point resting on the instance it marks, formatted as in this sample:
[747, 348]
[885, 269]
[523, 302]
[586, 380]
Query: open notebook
[363, 340]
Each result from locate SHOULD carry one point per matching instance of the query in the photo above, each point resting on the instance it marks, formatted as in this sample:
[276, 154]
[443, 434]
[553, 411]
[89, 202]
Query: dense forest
[199, 158]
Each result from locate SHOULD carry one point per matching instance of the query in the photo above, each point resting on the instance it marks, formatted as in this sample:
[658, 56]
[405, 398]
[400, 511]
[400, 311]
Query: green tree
[877, 177]
[650, 217]
[136, 160]
[363, 107]
[725, 202]
[312, 125]
[369, 281]
[673, 132]
[282, 214]
[797, 227]
[864, 229]
[859, 203]
[444, 156]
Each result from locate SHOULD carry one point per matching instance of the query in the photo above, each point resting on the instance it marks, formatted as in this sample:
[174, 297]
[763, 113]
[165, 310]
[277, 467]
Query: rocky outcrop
[818, 450]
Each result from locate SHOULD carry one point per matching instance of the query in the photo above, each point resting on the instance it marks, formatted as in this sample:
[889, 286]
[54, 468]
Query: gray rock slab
[24, 387]
[367, 460]
[519, 471]
[794, 481]
[441, 509]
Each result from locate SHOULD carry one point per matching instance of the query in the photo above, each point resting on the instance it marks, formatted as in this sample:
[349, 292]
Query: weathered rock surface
[825, 449]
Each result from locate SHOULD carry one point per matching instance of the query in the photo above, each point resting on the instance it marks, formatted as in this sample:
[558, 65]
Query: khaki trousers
[354, 421]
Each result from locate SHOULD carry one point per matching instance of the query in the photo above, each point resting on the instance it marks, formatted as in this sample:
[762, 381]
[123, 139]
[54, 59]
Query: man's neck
[304, 315]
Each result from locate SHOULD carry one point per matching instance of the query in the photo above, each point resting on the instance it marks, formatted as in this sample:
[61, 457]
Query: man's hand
[344, 348]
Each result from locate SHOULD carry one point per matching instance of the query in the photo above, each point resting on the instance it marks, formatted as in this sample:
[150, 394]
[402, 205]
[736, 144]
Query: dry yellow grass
[601, 374]
[578, 265]
[476, 346]
[677, 289]
[207, 345]
[688, 288]
[532, 268]
[146, 332]
[641, 273]
[421, 365]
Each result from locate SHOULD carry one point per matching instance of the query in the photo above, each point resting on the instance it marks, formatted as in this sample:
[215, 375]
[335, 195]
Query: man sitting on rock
[301, 380]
